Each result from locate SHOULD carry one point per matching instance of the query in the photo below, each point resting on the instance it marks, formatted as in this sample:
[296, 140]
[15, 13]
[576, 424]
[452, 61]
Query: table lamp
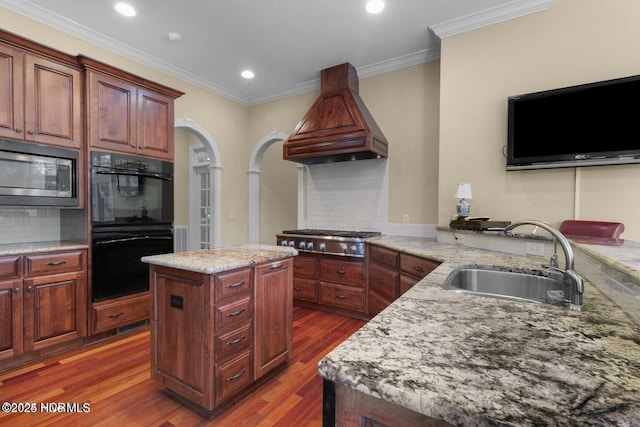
[463, 193]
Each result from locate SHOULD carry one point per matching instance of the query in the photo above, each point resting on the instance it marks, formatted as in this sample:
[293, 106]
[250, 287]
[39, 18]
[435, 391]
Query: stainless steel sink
[506, 285]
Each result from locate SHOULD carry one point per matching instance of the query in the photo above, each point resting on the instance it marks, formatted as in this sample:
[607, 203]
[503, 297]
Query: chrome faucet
[574, 286]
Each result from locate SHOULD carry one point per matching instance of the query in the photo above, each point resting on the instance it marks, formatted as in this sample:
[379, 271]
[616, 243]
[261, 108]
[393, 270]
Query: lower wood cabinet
[43, 304]
[214, 335]
[118, 312]
[391, 273]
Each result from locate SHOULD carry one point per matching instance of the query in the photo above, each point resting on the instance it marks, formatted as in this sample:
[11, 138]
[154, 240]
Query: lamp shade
[464, 191]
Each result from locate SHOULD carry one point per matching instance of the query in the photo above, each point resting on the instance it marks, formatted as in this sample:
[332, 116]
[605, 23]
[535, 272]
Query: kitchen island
[220, 320]
[440, 357]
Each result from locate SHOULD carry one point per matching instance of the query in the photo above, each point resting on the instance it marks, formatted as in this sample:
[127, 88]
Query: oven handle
[142, 174]
[131, 239]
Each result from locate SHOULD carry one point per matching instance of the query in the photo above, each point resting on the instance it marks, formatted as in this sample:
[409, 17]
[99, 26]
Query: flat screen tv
[586, 125]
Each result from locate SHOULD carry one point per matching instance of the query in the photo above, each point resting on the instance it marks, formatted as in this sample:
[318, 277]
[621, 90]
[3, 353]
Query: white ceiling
[285, 42]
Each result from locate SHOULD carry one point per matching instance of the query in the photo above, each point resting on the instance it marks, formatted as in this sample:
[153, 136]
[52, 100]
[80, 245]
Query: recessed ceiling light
[125, 9]
[375, 6]
[175, 37]
[247, 74]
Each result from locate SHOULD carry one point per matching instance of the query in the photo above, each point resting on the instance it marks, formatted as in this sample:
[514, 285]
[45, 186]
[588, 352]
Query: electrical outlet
[405, 218]
[535, 249]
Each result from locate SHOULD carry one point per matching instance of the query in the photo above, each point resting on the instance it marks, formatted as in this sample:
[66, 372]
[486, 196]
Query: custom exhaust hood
[338, 126]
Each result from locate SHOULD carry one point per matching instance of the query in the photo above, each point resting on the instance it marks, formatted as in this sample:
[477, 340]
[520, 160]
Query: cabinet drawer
[123, 312]
[384, 281]
[233, 376]
[343, 272]
[231, 343]
[377, 303]
[53, 263]
[9, 267]
[305, 289]
[384, 256]
[416, 266]
[304, 266]
[233, 315]
[233, 283]
[406, 283]
[348, 297]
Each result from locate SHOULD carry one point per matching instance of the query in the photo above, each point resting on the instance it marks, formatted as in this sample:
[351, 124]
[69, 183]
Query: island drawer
[306, 289]
[347, 297]
[234, 314]
[233, 376]
[231, 343]
[9, 267]
[233, 283]
[53, 263]
[384, 256]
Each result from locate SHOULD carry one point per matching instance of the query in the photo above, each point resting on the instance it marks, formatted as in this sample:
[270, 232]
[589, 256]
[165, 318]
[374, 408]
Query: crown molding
[490, 16]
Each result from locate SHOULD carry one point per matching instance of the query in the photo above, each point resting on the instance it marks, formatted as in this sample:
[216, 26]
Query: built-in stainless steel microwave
[37, 175]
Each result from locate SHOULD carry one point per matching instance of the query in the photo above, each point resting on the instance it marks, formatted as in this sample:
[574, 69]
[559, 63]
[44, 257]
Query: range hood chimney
[338, 127]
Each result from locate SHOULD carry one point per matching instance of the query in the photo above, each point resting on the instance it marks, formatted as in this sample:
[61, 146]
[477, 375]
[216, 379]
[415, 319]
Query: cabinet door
[111, 113]
[55, 310]
[11, 92]
[10, 318]
[273, 321]
[52, 102]
[155, 135]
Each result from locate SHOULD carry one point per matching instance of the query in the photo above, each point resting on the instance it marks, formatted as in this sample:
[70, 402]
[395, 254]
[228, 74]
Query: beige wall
[573, 42]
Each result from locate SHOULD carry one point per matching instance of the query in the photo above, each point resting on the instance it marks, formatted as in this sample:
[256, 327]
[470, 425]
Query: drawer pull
[236, 313]
[380, 280]
[341, 272]
[238, 375]
[235, 285]
[275, 266]
[297, 289]
[297, 266]
[236, 341]
[419, 269]
[340, 296]
[114, 315]
[56, 263]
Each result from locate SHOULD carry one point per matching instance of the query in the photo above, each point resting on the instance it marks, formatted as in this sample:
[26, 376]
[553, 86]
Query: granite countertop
[210, 261]
[479, 361]
[34, 247]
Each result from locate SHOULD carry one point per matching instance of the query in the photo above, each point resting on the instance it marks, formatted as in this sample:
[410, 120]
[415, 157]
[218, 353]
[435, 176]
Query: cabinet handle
[341, 272]
[340, 296]
[380, 280]
[236, 313]
[16, 290]
[275, 266]
[29, 288]
[419, 269]
[235, 285]
[30, 132]
[238, 375]
[114, 315]
[56, 263]
[297, 266]
[236, 341]
[19, 130]
[297, 289]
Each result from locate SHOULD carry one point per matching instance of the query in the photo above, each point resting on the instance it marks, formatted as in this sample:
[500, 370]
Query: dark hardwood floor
[113, 379]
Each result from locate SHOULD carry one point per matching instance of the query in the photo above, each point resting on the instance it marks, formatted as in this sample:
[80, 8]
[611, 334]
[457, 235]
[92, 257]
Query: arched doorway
[214, 184]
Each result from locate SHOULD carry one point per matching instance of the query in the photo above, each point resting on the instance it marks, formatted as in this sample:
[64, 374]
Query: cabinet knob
[19, 130]
[29, 288]
[16, 290]
[30, 132]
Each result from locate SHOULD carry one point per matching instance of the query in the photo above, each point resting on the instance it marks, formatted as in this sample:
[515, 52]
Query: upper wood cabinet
[128, 114]
[40, 96]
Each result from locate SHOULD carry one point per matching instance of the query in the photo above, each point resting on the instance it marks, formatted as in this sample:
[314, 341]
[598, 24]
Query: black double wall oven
[131, 217]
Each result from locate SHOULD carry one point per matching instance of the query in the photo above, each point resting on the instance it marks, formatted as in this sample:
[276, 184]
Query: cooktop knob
[353, 249]
[323, 247]
[309, 246]
[292, 244]
[302, 245]
[283, 243]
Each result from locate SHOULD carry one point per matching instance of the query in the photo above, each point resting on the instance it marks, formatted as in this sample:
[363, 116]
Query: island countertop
[210, 261]
[479, 361]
